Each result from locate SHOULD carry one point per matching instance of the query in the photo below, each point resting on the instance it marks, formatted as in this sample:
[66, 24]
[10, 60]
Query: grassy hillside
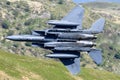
[23, 16]
[16, 67]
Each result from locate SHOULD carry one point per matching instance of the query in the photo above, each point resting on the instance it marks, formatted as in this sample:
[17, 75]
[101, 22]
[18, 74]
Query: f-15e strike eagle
[66, 39]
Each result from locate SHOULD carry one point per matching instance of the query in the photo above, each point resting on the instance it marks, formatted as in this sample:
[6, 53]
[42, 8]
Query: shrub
[15, 13]
[16, 45]
[28, 44]
[29, 22]
[27, 9]
[10, 32]
[8, 2]
[5, 24]
[60, 2]
[117, 56]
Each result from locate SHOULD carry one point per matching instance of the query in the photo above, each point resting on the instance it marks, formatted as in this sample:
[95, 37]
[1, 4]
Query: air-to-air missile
[70, 44]
[67, 39]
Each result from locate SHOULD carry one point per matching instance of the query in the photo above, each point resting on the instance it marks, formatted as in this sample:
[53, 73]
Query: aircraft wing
[71, 60]
[75, 15]
[72, 64]
[73, 18]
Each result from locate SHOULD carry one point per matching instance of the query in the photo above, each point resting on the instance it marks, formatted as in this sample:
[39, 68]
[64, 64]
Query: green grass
[17, 67]
[92, 74]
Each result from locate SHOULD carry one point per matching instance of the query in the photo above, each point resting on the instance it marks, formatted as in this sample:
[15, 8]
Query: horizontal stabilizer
[96, 55]
[98, 26]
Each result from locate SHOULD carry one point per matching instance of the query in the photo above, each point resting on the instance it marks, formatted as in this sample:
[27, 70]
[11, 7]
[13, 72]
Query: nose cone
[10, 37]
[16, 37]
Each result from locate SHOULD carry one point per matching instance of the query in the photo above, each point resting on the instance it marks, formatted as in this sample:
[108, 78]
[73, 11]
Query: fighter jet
[66, 39]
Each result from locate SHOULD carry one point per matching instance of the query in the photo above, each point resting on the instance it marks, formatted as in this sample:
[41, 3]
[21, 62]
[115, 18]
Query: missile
[61, 55]
[70, 44]
[25, 38]
[77, 36]
[82, 49]
[86, 43]
[69, 35]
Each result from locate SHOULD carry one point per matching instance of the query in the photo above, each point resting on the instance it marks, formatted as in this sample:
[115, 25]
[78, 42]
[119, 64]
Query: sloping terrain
[16, 67]
[23, 16]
